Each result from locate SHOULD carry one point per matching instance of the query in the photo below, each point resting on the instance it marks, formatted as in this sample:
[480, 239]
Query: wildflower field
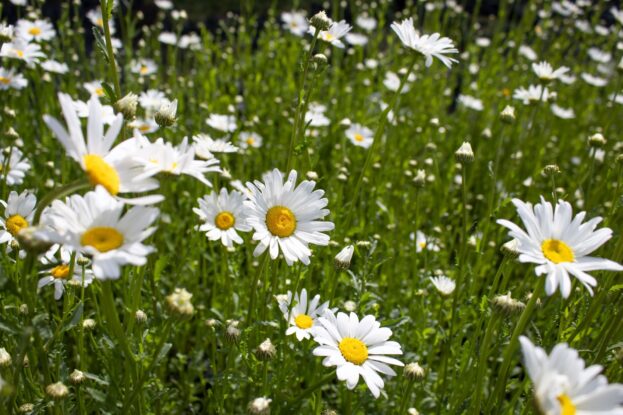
[314, 208]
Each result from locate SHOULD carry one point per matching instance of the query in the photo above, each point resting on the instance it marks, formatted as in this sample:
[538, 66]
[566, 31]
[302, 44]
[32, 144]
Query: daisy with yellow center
[94, 225]
[300, 314]
[14, 169]
[335, 32]
[424, 242]
[247, 140]
[115, 169]
[360, 136]
[563, 385]
[20, 49]
[144, 67]
[287, 217]
[356, 348]
[223, 216]
[59, 259]
[37, 31]
[559, 244]
[19, 210]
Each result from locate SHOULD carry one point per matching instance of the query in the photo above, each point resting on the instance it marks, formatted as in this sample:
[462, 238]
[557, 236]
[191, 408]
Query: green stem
[109, 49]
[482, 361]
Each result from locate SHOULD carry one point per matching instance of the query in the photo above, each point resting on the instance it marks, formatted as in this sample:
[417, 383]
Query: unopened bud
[343, 258]
[5, 358]
[511, 248]
[57, 390]
[232, 333]
[260, 406]
[505, 304]
[88, 324]
[420, 178]
[413, 371]
[127, 105]
[464, 154]
[597, 140]
[165, 116]
[179, 302]
[140, 316]
[77, 377]
[266, 350]
[508, 114]
[551, 170]
[320, 21]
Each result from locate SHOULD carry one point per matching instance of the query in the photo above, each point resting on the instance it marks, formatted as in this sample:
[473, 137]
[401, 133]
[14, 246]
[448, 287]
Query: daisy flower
[315, 115]
[39, 30]
[19, 210]
[443, 284]
[563, 385]
[113, 169]
[546, 73]
[356, 348]
[247, 139]
[225, 123]
[10, 79]
[527, 52]
[564, 113]
[94, 88]
[336, 31]
[356, 39]
[533, 94]
[95, 16]
[152, 99]
[144, 125]
[144, 67]
[300, 314]
[57, 272]
[223, 215]
[428, 45]
[14, 167]
[594, 80]
[55, 67]
[20, 49]
[423, 242]
[360, 136]
[287, 217]
[392, 82]
[206, 145]
[94, 225]
[559, 245]
[295, 22]
[470, 102]
[168, 38]
[190, 41]
[367, 23]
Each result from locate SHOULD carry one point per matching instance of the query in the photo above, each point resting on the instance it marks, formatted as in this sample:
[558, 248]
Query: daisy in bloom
[168, 38]
[35, 31]
[190, 41]
[163, 157]
[57, 273]
[300, 314]
[206, 145]
[13, 167]
[443, 284]
[559, 245]
[144, 125]
[356, 348]
[55, 67]
[20, 49]
[287, 217]
[594, 80]
[225, 123]
[563, 385]
[424, 243]
[356, 39]
[533, 94]
[94, 88]
[295, 22]
[428, 45]
[223, 215]
[546, 73]
[95, 16]
[144, 67]
[392, 82]
[334, 33]
[315, 115]
[564, 113]
[94, 225]
[7, 32]
[360, 136]
[367, 23]
[247, 139]
[470, 102]
[152, 100]
[114, 169]
[18, 214]
[10, 79]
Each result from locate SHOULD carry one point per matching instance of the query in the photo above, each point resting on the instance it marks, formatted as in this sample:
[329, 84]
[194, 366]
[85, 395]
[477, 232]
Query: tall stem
[109, 50]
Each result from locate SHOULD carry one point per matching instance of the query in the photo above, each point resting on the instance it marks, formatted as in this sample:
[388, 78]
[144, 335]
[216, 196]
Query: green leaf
[75, 318]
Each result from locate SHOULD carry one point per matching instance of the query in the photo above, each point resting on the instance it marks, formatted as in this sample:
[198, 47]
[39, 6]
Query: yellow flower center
[557, 251]
[99, 22]
[353, 350]
[422, 245]
[328, 37]
[20, 53]
[35, 31]
[143, 128]
[566, 406]
[5, 80]
[224, 220]
[16, 223]
[303, 321]
[144, 69]
[250, 141]
[280, 221]
[99, 92]
[101, 173]
[102, 238]
[358, 137]
[60, 272]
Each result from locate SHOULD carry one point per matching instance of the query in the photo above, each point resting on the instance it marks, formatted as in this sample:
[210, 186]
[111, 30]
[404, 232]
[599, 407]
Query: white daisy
[225, 123]
[559, 245]
[206, 145]
[94, 88]
[315, 115]
[287, 217]
[168, 38]
[424, 243]
[443, 284]
[546, 73]
[356, 39]
[223, 215]
[594, 80]
[152, 100]
[143, 125]
[20, 49]
[55, 67]
[356, 348]
[564, 113]
[599, 55]
[247, 139]
[527, 52]
[94, 224]
[428, 45]
[367, 23]
[301, 315]
[57, 271]
[359, 135]
[563, 385]
[392, 82]
[114, 169]
[144, 67]
[14, 167]
[9, 78]
[95, 16]
[39, 30]
[533, 94]
[19, 211]
[336, 31]
[295, 22]
[190, 41]
[470, 102]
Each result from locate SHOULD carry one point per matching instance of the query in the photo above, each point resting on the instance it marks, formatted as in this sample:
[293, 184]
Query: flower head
[428, 45]
[300, 314]
[19, 211]
[223, 215]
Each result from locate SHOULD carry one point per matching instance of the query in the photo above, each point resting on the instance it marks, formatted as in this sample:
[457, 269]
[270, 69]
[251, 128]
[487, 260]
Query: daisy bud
[260, 406]
[266, 350]
[127, 105]
[6, 33]
[551, 170]
[83, 261]
[464, 154]
[11, 133]
[343, 258]
[508, 114]
[350, 306]
[413, 371]
[165, 116]
[31, 241]
[320, 21]
[179, 302]
[88, 324]
[10, 113]
[312, 175]
[77, 377]
[486, 133]
[5, 358]
[57, 390]
[140, 316]
[510, 248]
[507, 305]
[420, 178]
[232, 333]
[211, 322]
[597, 140]
[23, 309]
[14, 245]
[412, 411]
[320, 61]
[26, 408]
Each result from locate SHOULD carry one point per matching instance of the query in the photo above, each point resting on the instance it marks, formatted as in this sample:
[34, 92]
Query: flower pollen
[353, 350]
[280, 221]
[102, 173]
[557, 251]
[60, 272]
[102, 238]
[566, 406]
[303, 321]
[15, 223]
[224, 220]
